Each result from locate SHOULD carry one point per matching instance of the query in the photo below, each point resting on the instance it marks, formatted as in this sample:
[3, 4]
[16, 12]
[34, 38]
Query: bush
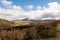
[28, 36]
[46, 32]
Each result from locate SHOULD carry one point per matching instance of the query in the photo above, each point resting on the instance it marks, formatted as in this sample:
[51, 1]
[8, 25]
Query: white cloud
[30, 6]
[17, 7]
[6, 3]
[48, 18]
[52, 11]
[38, 7]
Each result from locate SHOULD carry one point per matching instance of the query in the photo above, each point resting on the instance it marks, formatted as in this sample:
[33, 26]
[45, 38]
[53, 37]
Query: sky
[32, 9]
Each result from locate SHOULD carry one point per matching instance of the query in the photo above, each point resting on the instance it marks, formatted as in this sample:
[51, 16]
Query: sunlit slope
[21, 23]
[4, 22]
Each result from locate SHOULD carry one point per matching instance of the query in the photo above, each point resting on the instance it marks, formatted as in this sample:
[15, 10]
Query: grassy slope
[4, 22]
[21, 23]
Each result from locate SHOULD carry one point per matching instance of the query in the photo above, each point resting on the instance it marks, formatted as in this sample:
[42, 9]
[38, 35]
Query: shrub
[46, 32]
[28, 36]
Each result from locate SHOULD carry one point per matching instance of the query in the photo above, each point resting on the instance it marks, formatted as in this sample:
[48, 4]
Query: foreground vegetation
[32, 31]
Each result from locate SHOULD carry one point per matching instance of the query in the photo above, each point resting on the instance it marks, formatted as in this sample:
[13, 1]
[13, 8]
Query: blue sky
[32, 9]
[33, 2]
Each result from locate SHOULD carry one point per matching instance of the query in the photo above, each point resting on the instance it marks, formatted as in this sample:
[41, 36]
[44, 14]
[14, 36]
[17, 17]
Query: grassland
[30, 30]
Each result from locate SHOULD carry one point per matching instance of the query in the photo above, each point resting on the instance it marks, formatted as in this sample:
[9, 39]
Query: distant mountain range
[31, 20]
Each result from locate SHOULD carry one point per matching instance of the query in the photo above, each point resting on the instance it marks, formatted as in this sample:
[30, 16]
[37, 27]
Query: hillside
[4, 22]
[21, 23]
[30, 30]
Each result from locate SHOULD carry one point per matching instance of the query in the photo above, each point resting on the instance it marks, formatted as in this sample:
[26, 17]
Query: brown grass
[30, 32]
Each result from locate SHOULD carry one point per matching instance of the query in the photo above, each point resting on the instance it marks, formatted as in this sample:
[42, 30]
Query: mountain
[25, 19]
[31, 20]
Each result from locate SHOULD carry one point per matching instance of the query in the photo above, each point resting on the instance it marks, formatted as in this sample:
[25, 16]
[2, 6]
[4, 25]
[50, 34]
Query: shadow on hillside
[15, 28]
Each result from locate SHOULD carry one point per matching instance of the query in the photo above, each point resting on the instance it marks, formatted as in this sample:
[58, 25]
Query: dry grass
[26, 33]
